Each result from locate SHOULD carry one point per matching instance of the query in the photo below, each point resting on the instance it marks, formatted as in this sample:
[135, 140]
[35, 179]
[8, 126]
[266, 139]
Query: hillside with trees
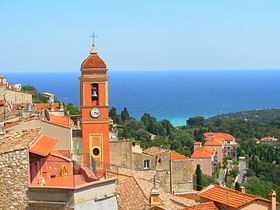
[264, 159]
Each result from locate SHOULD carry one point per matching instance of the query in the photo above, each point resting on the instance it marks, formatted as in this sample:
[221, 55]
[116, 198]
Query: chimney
[78, 123]
[61, 109]
[197, 145]
[242, 189]
[154, 198]
[52, 107]
[272, 196]
[29, 107]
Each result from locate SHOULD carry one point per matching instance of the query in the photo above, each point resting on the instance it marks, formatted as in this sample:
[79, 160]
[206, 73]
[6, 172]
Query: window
[146, 164]
[159, 160]
[95, 151]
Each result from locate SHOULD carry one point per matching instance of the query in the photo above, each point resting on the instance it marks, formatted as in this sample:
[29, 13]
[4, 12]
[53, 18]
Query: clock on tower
[94, 111]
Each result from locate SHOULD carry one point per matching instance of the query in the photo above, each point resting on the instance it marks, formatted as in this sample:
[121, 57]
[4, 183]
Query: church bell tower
[94, 111]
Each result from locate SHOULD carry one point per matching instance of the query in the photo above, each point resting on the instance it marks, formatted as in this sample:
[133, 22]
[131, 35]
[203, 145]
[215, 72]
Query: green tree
[237, 186]
[125, 115]
[198, 174]
[73, 110]
[197, 121]
[113, 114]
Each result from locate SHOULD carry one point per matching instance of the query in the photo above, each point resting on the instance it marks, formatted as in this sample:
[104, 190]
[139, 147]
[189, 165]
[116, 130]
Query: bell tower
[94, 111]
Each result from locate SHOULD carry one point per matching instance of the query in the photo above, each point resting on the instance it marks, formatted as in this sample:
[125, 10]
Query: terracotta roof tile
[2, 102]
[227, 196]
[154, 151]
[214, 142]
[58, 120]
[221, 136]
[42, 106]
[130, 195]
[177, 156]
[203, 206]
[203, 152]
[43, 145]
[93, 61]
[18, 140]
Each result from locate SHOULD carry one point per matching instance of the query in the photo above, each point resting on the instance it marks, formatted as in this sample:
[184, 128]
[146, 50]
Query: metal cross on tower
[93, 36]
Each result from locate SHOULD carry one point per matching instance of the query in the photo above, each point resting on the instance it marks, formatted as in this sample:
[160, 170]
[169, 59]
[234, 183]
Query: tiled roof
[203, 152]
[2, 102]
[176, 156]
[42, 106]
[43, 145]
[130, 195]
[93, 61]
[154, 151]
[203, 206]
[227, 196]
[18, 140]
[145, 182]
[214, 142]
[58, 120]
[221, 136]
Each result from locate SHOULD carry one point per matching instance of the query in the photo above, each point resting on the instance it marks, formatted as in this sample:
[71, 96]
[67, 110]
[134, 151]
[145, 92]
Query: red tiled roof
[203, 206]
[176, 156]
[214, 142]
[43, 145]
[2, 102]
[93, 61]
[203, 152]
[131, 196]
[227, 196]
[221, 136]
[58, 120]
[42, 106]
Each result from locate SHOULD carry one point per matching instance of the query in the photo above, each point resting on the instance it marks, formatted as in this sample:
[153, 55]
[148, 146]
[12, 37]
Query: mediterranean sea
[172, 95]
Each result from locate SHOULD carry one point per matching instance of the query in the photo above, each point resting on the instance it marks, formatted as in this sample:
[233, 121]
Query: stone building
[175, 170]
[228, 144]
[206, 157]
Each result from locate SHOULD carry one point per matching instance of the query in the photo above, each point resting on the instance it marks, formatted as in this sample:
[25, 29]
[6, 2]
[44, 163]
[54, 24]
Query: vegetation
[72, 109]
[40, 98]
[149, 132]
[36, 96]
[264, 159]
[198, 174]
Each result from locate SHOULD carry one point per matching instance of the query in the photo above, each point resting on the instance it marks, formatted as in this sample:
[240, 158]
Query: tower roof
[93, 60]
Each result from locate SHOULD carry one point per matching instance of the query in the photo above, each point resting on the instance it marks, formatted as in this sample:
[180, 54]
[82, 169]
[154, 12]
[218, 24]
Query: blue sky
[140, 35]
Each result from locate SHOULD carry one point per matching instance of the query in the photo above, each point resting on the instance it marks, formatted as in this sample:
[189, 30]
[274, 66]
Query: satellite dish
[47, 115]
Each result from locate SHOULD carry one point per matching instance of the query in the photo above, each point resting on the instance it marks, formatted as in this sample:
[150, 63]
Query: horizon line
[148, 70]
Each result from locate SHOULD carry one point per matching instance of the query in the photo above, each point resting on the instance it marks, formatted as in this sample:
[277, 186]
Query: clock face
[95, 112]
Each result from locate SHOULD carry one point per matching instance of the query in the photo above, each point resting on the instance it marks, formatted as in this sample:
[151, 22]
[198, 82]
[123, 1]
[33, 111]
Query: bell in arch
[94, 91]
[94, 94]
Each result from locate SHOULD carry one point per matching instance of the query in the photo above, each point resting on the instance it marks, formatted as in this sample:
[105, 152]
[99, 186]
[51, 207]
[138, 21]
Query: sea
[172, 95]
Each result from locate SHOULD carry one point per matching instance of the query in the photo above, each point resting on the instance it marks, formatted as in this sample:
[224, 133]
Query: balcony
[57, 181]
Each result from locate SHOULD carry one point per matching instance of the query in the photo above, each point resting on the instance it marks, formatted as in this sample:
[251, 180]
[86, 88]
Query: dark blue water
[173, 95]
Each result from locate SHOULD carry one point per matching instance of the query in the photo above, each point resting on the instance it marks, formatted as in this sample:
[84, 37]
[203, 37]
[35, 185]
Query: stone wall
[138, 161]
[15, 97]
[182, 176]
[163, 161]
[121, 153]
[14, 179]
